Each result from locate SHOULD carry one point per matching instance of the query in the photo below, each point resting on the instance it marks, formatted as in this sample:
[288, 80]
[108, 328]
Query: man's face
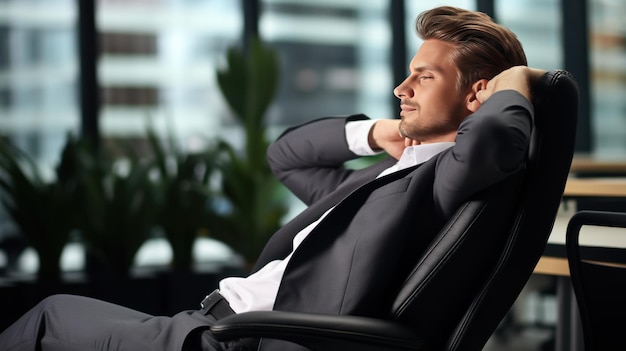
[432, 107]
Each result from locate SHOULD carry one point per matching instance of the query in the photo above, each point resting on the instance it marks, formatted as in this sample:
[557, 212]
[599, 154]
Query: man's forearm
[309, 159]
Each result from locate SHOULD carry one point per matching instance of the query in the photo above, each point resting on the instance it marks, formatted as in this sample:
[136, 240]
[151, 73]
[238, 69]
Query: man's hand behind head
[518, 78]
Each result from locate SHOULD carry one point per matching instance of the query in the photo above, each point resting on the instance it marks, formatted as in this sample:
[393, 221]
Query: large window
[335, 57]
[537, 24]
[159, 57]
[414, 8]
[158, 61]
[38, 75]
[607, 33]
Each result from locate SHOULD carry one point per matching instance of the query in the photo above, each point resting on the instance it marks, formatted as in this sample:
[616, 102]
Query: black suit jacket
[355, 259]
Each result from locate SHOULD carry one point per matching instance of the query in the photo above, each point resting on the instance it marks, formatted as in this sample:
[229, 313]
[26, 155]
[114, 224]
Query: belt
[216, 305]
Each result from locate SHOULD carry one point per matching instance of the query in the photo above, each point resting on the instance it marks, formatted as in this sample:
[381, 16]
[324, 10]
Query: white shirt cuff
[356, 136]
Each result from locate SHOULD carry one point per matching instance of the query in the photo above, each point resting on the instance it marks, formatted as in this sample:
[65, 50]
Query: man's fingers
[410, 142]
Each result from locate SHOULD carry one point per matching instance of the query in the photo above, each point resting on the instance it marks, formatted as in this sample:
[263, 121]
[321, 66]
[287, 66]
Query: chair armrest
[317, 331]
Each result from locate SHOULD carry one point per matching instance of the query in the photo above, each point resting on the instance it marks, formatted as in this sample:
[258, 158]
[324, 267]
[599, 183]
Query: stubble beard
[402, 129]
[421, 132]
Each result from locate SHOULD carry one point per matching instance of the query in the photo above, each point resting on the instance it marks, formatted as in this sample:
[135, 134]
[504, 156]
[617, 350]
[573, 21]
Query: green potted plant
[183, 197]
[255, 197]
[117, 211]
[43, 210]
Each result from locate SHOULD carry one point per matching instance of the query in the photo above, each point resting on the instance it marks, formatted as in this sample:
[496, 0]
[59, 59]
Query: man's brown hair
[483, 48]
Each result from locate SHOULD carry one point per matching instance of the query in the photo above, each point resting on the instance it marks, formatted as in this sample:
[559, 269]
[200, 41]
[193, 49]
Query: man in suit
[465, 124]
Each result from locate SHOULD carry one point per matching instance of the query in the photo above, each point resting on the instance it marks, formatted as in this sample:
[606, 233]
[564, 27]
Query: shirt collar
[417, 154]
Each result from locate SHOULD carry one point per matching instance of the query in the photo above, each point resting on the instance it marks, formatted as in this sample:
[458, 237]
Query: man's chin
[404, 134]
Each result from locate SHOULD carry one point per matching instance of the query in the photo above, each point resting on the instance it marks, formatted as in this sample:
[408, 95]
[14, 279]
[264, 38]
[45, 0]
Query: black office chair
[598, 276]
[469, 277]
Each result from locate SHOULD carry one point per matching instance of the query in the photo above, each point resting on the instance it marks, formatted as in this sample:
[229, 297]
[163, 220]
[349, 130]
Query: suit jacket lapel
[348, 205]
[280, 244]
[316, 210]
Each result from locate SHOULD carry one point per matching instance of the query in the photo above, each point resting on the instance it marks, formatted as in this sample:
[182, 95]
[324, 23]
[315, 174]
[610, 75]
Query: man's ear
[472, 102]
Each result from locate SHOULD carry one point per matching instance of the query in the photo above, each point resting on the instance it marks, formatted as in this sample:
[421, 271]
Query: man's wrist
[358, 135]
[371, 141]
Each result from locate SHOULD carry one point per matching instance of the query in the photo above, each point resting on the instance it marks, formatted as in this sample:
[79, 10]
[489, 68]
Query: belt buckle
[210, 300]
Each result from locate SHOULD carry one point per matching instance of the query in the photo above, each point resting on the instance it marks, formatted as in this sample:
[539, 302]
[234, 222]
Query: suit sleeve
[491, 144]
[309, 159]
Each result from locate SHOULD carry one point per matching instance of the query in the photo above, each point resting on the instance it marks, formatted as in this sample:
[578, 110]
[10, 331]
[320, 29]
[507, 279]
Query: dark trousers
[68, 323]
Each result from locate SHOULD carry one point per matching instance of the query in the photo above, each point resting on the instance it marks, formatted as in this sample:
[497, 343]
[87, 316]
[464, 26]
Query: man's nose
[402, 91]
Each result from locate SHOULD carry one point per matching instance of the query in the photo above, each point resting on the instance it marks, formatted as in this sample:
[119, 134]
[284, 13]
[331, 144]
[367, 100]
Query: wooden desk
[556, 266]
[595, 187]
[590, 164]
[611, 187]
[577, 188]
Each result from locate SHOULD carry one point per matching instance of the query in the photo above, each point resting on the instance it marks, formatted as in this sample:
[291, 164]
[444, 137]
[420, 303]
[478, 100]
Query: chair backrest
[470, 276]
[598, 276]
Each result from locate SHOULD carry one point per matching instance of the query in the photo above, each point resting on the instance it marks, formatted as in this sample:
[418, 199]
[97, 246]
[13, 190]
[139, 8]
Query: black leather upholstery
[473, 271]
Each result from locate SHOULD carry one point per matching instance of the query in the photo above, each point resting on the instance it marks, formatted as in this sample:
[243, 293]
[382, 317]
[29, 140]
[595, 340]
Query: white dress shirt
[258, 291]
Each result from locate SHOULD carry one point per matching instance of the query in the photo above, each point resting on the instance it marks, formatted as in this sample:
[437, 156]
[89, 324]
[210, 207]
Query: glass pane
[38, 76]
[413, 8]
[537, 24]
[335, 58]
[607, 35]
[158, 61]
